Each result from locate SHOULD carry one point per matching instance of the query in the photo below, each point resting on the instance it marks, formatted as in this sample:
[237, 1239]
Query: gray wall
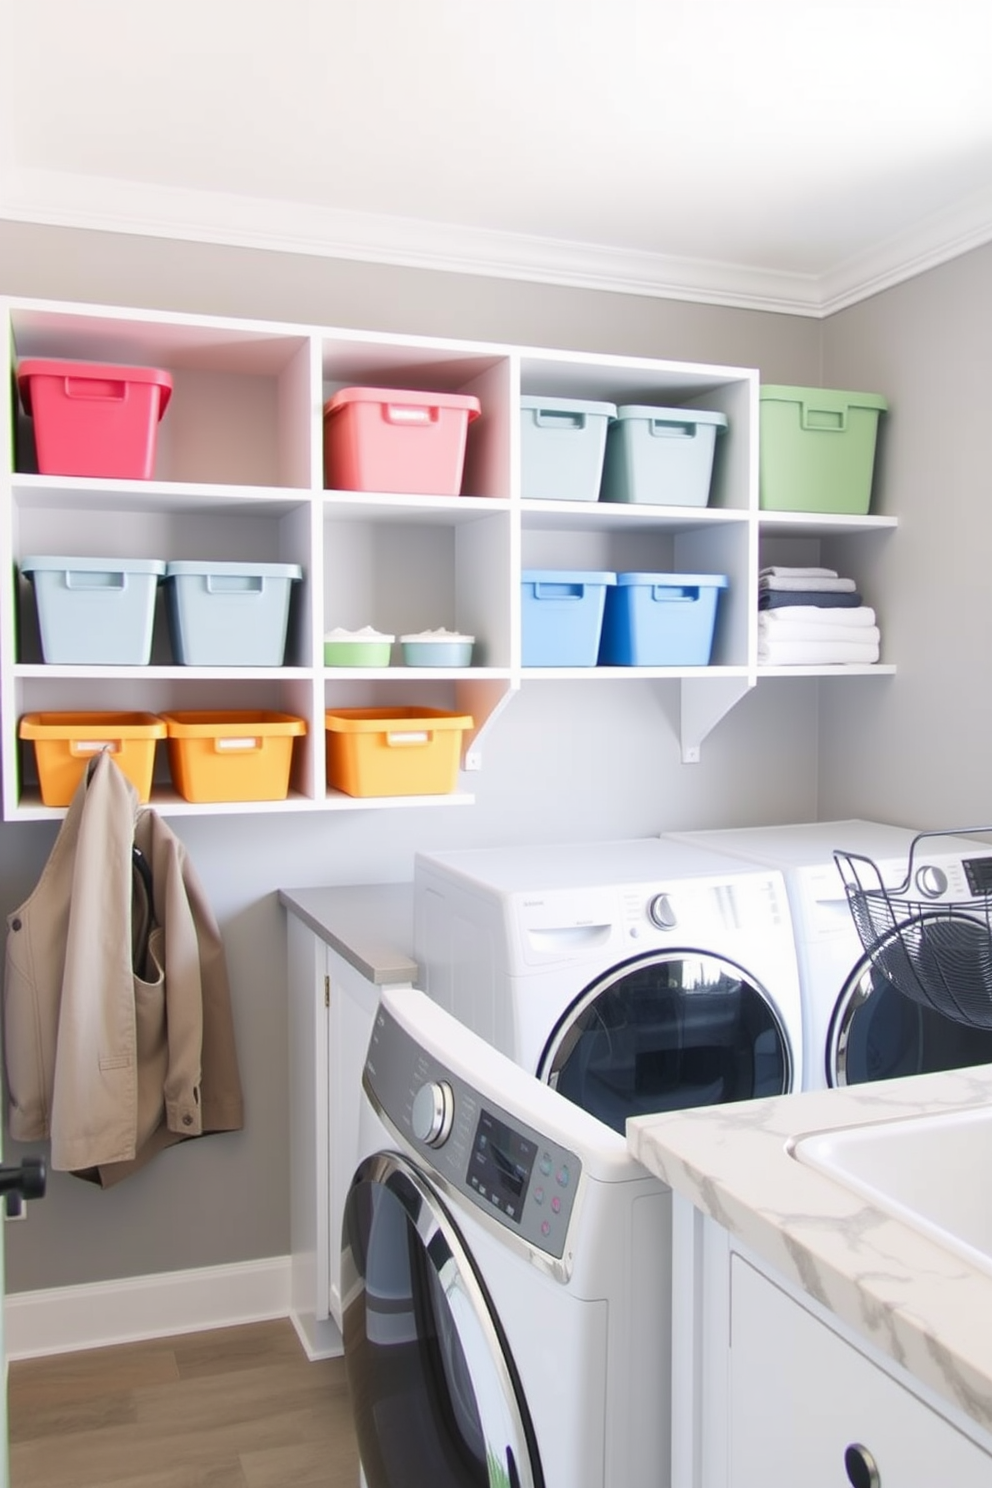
[918, 749]
[563, 762]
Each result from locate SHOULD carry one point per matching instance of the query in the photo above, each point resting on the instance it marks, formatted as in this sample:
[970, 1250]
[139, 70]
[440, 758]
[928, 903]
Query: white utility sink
[931, 1172]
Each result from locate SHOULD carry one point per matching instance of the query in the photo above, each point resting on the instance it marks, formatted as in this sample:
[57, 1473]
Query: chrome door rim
[856, 991]
[506, 1430]
[565, 1034]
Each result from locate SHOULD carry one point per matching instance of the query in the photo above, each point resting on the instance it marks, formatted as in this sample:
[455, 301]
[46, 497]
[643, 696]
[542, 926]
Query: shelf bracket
[704, 702]
[485, 700]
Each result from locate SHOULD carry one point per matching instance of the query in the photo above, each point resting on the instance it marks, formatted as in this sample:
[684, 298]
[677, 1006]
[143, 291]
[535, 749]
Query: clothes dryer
[858, 1028]
[507, 1270]
[634, 976]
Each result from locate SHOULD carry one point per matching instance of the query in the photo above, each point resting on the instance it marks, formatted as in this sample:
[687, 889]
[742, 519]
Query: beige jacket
[111, 1065]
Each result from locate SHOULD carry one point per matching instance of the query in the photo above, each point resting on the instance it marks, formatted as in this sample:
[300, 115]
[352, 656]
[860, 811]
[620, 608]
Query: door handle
[25, 1181]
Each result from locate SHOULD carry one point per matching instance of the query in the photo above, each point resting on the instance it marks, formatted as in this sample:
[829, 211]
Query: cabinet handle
[27, 1181]
[861, 1467]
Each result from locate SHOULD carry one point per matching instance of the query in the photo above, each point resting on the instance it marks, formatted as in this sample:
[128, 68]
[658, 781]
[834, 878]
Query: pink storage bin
[393, 439]
[94, 419]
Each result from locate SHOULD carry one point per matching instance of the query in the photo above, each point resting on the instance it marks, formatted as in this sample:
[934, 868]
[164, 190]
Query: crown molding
[110, 205]
[935, 240]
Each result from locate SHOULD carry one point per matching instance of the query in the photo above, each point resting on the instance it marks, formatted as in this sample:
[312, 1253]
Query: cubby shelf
[239, 476]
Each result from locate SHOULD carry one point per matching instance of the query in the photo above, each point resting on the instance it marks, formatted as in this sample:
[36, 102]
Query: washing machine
[506, 1272]
[858, 1028]
[633, 977]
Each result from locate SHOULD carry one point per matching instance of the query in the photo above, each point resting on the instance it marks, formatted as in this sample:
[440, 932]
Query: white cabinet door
[809, 1411]
[331, 1011]
[309, 1140]
[352, 1002]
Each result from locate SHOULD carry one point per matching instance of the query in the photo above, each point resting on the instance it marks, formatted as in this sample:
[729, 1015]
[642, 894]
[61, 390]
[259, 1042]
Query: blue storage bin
[661, 456]
[660, 619]
[562, 445]
[561, 616]
[95, 611]
[229, 614]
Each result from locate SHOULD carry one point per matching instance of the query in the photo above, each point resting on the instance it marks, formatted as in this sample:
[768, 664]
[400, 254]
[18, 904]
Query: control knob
[433, 1113]
[661, 913]
[931, 881]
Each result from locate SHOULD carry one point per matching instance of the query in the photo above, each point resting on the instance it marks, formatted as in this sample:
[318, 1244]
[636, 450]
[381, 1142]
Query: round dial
[661, 913]
[931, 881]
[433, 1111]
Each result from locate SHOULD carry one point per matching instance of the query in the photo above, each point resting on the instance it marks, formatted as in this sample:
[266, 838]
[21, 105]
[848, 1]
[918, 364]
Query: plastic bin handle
[402, 739]
[236, 745]
[824, 420]
[235, 583]
[408, 413]
[670, 594]
[93, 746]
[96, 389]
[77, 578]
[559, 591]
[665, 429]
[553, 418]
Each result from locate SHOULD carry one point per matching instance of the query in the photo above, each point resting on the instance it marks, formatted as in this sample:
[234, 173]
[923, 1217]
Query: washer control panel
[507, 1169]
[978, 872]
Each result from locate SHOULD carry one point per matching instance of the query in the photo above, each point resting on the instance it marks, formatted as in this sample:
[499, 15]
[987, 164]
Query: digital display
[501, 1165]
[979, 871]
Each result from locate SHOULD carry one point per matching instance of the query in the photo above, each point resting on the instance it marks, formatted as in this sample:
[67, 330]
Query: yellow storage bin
[231, 755]
[64, 744]
[393, 751]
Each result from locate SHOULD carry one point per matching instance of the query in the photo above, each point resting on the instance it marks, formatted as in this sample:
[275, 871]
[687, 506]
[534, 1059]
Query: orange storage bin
[393, 751]
[396, 439]
[231, 756]
[64, 744]
[94, 419]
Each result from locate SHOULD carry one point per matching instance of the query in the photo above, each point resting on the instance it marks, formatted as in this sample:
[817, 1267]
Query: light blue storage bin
[95, 611]
[229, 614]
[561, 616]
[562, 444]
[661, 456]
[660, 619]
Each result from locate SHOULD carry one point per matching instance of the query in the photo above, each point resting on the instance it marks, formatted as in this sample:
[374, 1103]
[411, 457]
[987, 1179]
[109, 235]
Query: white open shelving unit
[239, 477]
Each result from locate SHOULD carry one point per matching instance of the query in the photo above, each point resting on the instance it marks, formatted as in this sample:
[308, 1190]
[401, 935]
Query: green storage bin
[817, 449]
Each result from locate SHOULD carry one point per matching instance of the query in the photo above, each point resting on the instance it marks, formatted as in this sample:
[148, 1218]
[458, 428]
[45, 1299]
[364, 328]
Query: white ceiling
[782, 154]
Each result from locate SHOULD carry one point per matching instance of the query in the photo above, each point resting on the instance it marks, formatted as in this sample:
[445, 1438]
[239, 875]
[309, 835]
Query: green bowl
[357, 653]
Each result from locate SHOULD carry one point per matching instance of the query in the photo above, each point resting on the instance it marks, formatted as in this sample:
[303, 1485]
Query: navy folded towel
[827, 599]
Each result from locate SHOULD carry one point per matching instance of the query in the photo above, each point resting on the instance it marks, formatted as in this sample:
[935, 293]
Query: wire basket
[935, 953]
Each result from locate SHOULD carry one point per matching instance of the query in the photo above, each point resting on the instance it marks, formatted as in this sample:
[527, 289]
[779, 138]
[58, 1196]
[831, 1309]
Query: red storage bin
[94, 419]
[394, 439]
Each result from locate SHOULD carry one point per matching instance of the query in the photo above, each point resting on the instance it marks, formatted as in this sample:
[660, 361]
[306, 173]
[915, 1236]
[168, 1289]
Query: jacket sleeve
[95, 1097]
[33, 972]
[182, 955]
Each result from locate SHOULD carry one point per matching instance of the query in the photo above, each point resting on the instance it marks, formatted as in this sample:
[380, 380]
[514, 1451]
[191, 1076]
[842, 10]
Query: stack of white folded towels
[813, 617]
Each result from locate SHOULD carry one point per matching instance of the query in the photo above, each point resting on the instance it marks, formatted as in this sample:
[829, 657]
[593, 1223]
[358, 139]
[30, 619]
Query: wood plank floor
[230, 1408]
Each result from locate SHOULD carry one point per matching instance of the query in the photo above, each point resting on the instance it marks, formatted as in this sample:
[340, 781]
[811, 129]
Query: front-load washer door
[435, 1395]
[878, 1034]
[665, 1032]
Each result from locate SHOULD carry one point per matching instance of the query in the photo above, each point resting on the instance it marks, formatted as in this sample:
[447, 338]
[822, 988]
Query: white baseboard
[62, 1320]
[320, 1337]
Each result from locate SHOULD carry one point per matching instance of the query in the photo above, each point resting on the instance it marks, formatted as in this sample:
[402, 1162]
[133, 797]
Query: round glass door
[434, 1391]
[667, 1032]
[878, 1034]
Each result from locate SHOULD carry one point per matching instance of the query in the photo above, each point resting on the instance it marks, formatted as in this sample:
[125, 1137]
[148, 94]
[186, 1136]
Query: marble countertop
[916, 1301]
[369, 925]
